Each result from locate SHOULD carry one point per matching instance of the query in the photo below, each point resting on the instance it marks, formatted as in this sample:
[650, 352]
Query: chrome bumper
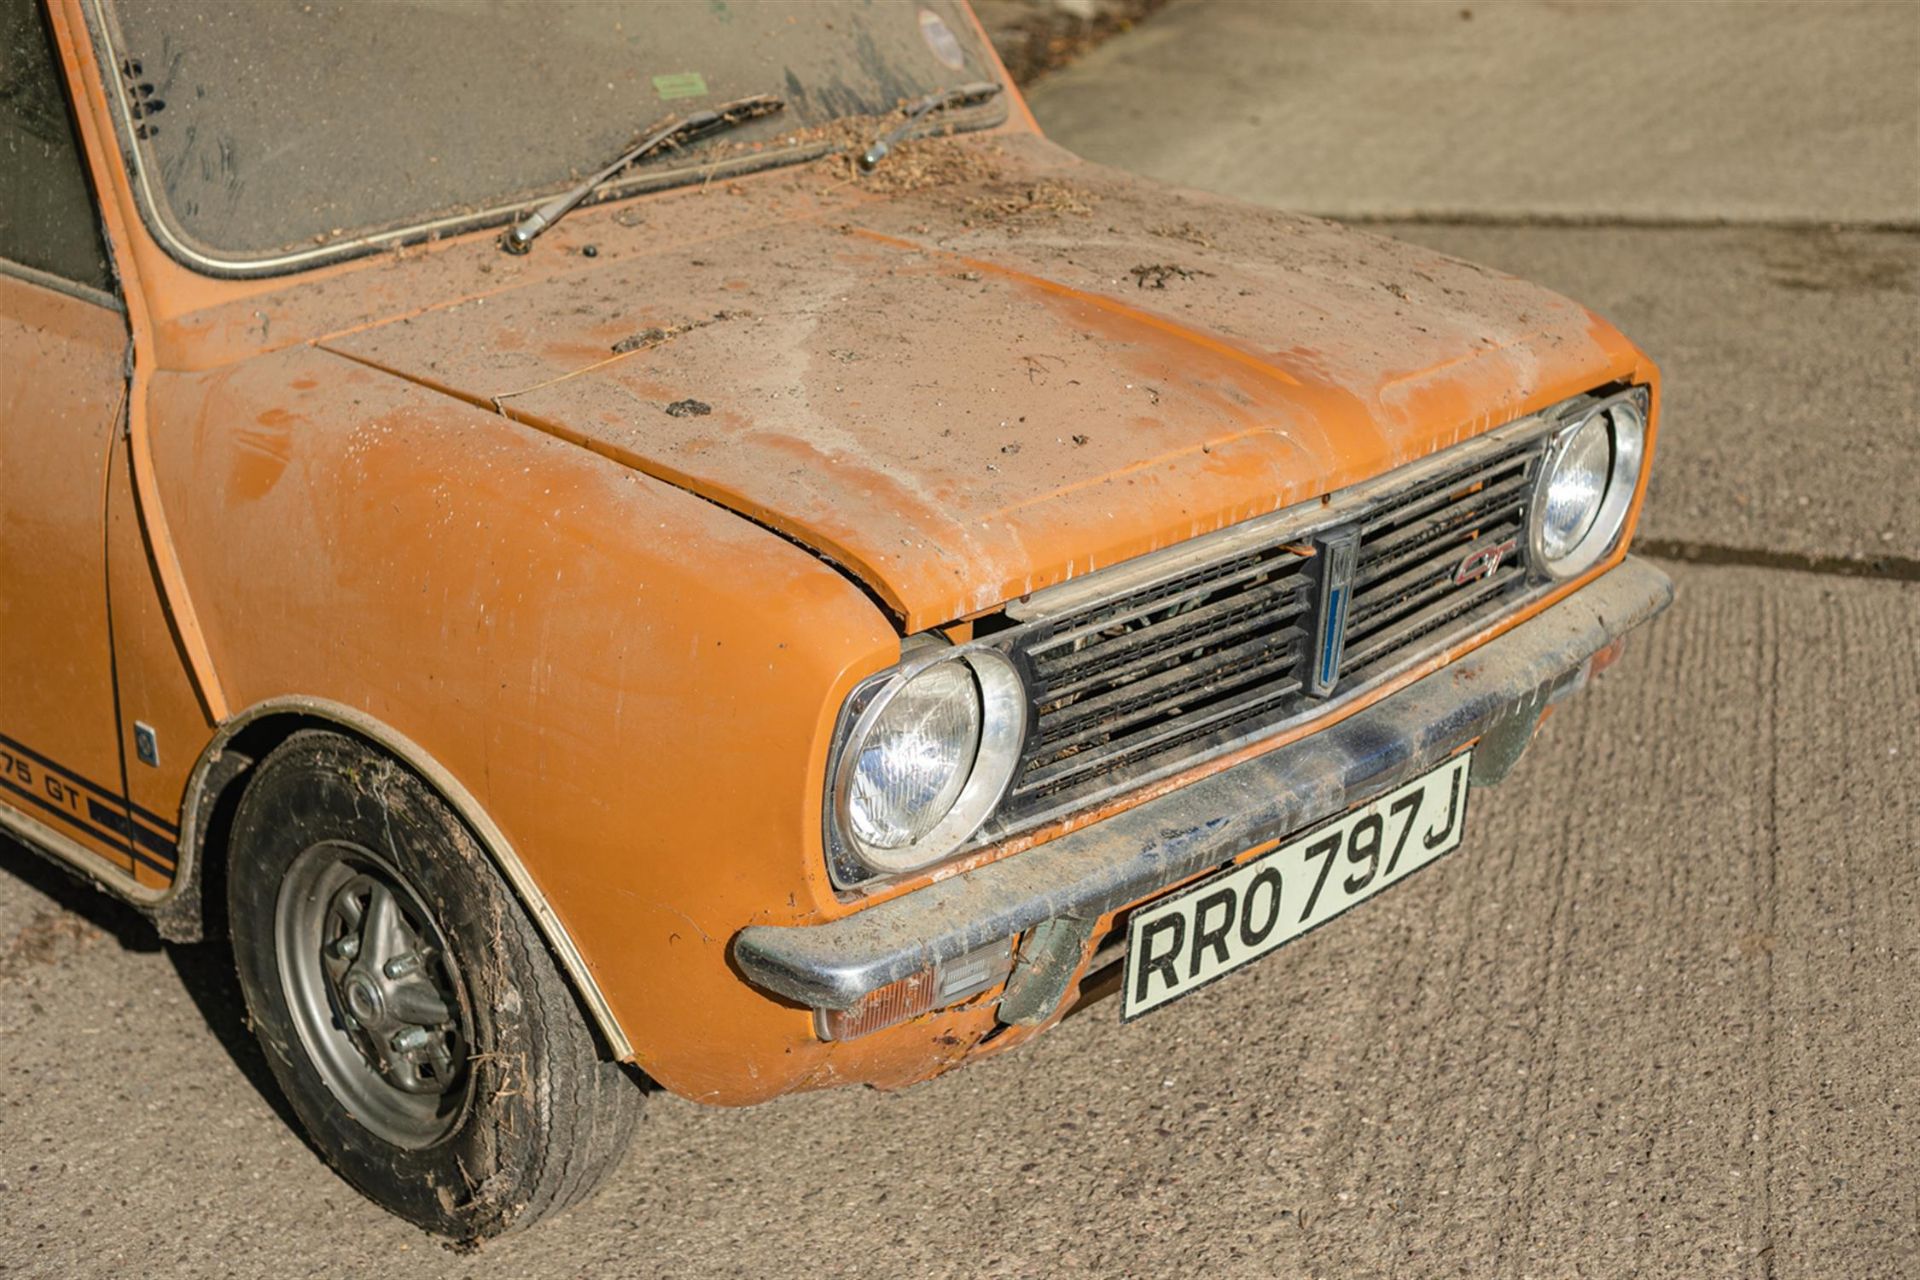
[1495, 694]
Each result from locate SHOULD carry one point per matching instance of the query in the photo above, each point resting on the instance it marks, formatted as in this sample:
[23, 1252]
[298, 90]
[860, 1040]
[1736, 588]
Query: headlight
[1586, 485]
[931, 749]
[915, 758]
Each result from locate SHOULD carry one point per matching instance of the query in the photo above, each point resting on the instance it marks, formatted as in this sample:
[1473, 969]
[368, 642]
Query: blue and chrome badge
[1338, 552]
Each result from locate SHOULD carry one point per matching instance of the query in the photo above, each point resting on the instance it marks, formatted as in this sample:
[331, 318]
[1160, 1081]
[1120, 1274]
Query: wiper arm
[967, 95]
[672, 134]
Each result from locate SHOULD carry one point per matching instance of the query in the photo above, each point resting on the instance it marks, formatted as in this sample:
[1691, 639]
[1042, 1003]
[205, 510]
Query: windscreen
[267, 127]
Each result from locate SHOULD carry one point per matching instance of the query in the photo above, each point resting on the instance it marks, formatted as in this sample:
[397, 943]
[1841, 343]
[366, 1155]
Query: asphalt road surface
[1656, 1017]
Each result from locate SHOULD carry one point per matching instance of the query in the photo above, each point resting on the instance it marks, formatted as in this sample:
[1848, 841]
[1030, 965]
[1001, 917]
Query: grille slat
[1404, 586]
[1444, 490]
[1044, 781]
[1161, 694]
[1136, 686]
[1166, 642]
[1420, 581]
[1409, 627]
[1168, 599]
[1408, 543]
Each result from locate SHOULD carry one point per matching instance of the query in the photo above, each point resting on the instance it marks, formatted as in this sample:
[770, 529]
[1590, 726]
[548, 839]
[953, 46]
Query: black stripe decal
[118, 824]
[81, 824]
[21, 748]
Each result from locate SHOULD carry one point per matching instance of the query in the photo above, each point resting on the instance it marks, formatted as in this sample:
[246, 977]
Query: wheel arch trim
[194, 811]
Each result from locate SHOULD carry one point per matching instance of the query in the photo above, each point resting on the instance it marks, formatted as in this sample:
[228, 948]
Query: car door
[63, 357]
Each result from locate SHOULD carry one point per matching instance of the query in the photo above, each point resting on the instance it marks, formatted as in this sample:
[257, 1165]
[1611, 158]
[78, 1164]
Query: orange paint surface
[426, 487]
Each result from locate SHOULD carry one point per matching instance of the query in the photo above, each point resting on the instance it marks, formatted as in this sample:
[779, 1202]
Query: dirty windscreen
[271, 127]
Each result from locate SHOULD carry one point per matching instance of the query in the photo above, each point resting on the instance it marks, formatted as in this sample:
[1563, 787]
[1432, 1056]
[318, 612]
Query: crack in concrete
[1624, 221]
[1886, 568]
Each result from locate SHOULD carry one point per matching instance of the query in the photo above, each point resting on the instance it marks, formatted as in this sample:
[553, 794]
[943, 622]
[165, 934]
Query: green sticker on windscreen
[681, 84]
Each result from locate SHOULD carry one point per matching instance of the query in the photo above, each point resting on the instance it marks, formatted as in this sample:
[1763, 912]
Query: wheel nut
[401, 966]
[347, 946]
[409, 1039]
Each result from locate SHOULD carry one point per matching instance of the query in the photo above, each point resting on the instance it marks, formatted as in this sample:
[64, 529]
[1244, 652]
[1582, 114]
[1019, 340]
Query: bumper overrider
[1055, 892]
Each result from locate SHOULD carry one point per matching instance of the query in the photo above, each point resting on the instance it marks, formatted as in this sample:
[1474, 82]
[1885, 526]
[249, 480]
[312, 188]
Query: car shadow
[205, 969]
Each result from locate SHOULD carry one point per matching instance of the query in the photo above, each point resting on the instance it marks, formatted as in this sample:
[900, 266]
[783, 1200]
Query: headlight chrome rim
[1003, 725]
[1626, 418]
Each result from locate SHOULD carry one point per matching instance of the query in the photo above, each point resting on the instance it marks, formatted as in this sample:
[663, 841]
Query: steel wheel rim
[374, 993]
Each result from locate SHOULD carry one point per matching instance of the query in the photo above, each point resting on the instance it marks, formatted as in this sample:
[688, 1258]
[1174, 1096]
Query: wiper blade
[967, 95]
[672, 134]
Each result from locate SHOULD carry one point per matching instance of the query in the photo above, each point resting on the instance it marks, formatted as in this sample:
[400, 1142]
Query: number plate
[1185, 941]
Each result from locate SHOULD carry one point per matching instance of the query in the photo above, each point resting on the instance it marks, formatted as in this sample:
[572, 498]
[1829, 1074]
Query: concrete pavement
[1666, 111]
[1655, 1018]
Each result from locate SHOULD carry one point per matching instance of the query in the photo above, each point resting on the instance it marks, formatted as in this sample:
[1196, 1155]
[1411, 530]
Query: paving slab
[1698, 111]
[1792, 373]
[1655, 1018]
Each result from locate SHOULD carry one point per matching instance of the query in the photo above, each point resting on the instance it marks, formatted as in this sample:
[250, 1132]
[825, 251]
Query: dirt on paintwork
[1048, 196]
[1185, 231]
[896, 345]
[932, 160]
[919, 163]
[658, 335]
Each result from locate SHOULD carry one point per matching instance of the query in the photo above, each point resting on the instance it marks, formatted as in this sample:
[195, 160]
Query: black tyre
[410, 1011]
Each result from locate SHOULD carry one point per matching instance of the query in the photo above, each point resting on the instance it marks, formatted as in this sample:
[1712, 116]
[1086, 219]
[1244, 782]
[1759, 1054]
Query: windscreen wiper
[673, 134]
[967, 95]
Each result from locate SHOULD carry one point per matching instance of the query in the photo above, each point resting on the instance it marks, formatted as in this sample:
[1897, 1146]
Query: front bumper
[1495, 694]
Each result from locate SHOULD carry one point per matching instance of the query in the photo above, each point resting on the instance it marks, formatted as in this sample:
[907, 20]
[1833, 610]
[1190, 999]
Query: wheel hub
[363, 999]
[375, 994]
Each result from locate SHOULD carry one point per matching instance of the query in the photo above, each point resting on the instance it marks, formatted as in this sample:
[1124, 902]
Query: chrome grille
[1404, 586]
[1135, 683]
[1134, 678]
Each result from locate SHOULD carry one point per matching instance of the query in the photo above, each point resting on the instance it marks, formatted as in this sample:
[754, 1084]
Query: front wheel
[407, 1007]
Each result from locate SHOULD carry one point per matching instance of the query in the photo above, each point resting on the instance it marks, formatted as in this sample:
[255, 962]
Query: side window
[47, 218]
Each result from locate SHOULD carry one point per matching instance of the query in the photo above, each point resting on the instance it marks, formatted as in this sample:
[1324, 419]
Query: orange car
[695, 542]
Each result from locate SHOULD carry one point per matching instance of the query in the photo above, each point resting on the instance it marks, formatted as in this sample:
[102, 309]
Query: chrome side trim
[491, 838]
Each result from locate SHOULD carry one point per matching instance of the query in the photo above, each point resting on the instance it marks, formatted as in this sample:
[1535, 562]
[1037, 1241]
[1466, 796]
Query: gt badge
[1482, 561]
